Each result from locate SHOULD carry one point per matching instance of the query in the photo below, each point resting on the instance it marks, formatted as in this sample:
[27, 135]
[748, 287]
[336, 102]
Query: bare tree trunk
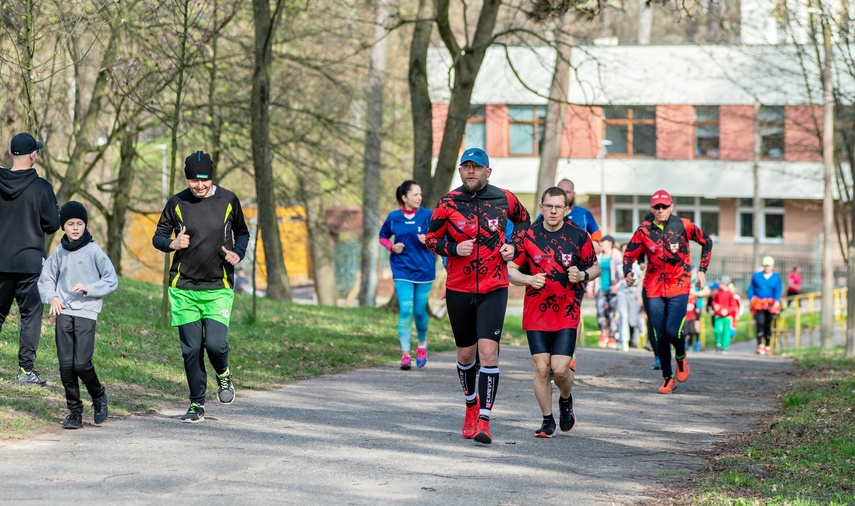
[556, 108]
[645, 22]
[757, 202]
[265, 21]
[827, 303]
[372, 164]
[420, 103]
[121, 199]
[467, 61]
[323, 267]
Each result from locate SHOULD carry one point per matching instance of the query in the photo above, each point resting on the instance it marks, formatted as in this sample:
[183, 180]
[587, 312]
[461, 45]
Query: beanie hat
[71, 210]
[199, 166]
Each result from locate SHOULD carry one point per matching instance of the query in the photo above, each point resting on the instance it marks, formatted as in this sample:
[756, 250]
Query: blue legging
[666, 315]
[412, 299]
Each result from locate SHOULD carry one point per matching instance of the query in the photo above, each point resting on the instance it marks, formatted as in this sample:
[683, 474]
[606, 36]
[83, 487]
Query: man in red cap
[664, 240]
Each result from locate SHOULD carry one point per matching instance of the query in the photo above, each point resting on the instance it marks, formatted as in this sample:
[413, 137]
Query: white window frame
[639, 203]
[740, 209]
[693, 212]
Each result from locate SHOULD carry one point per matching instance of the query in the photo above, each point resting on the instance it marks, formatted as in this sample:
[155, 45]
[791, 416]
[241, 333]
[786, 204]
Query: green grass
[139, 360]
[806, 455]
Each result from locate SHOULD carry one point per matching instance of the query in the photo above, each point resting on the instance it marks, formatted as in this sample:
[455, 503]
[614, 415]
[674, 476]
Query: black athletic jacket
[211, 223]
[28, 212]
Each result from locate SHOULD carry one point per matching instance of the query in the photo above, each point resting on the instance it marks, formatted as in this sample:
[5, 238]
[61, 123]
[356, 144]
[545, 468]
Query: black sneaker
[99, 405]
[225, 389]
[567, 416]
[195, 414]
[546, 430]
[29, 378]
[74, 420]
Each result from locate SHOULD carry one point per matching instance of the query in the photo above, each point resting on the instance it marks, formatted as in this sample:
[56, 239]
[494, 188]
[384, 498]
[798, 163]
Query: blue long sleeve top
[763, 288]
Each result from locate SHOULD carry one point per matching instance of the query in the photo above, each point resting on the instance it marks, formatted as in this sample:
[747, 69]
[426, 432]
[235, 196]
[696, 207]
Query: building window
[771, 226]
[771, 127]
[628, 212]
[631, 130]
[706, 132]
[844, 127]
[526, 124]
[476, 128]
[702, 211]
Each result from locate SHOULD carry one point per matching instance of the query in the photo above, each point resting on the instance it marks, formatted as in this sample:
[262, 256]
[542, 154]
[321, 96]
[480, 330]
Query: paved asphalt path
[385, 436]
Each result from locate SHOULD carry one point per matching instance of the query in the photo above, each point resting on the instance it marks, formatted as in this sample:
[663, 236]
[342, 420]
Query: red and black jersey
[667, 250]
[555, 306]
[482, 216]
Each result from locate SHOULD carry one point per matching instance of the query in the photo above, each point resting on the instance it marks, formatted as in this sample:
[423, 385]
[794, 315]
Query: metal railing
[799, 323]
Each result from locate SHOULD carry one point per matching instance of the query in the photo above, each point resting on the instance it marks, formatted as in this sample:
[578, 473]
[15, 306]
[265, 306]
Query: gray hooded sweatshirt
[88, 265]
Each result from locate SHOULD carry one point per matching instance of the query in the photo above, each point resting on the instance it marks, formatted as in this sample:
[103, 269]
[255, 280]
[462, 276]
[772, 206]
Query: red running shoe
[682, 369]
[483, 436]
[470, 423]
[668, 386]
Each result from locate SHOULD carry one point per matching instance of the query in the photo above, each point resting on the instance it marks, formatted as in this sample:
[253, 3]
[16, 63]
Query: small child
[74, 280]
[725, 307]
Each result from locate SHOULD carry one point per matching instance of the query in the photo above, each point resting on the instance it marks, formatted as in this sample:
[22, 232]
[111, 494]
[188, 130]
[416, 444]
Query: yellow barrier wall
[142, 262]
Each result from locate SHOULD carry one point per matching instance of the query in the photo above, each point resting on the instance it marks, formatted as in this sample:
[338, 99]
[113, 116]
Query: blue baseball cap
[476, 156]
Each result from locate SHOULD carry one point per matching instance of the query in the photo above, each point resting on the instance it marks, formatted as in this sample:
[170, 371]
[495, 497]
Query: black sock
[487, 386]
[467, 375]
[549, 418]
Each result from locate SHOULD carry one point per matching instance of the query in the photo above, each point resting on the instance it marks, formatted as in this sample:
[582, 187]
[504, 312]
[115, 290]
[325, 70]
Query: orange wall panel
[736, 132]
[582, 132]
[497, 130]
[674, 132]
[802, 133]
[440, 113]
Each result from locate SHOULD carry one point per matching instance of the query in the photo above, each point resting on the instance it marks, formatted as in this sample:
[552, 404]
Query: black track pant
[210, 336]
[23, 288]
[75, 344]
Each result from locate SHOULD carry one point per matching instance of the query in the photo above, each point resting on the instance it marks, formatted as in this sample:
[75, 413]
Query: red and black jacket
[667, 250]
[482, 216]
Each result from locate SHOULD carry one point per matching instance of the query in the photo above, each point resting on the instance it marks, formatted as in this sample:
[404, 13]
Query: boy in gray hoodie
[74, 280]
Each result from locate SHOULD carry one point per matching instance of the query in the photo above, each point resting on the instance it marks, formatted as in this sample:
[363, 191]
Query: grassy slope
[139, 360]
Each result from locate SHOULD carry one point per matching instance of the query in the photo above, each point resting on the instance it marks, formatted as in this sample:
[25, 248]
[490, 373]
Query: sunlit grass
[139, 360]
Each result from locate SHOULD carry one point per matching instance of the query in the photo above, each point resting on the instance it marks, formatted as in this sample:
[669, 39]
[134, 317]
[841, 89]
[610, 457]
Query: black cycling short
[557, 342]
[476, 316]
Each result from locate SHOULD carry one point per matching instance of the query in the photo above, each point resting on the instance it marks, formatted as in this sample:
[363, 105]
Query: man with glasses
[664, 240]
[580, 216]
[468, 227]
[28, 212]
[560, 259]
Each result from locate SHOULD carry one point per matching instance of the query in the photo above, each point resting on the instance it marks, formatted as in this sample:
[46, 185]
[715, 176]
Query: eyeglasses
[549, 207]
[661, 207]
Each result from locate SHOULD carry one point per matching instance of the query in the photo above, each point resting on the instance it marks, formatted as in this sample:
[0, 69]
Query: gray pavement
[381, 436]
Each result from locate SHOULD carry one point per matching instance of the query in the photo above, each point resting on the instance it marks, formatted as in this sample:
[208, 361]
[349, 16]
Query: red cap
[660, 197]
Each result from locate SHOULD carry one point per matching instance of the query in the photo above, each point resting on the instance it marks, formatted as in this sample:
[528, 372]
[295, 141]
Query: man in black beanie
[205, 227]
[28, 212]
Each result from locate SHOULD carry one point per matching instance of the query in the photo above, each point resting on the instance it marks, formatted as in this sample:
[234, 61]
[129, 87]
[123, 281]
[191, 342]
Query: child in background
[692, 324]
[725, 308]
[74, 280]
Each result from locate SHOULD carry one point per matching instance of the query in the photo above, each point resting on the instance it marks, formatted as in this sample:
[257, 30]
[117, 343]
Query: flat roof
[645, 75]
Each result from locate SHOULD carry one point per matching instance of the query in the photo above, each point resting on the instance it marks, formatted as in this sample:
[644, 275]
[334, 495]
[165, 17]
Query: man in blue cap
[28, 212]
[468, 227]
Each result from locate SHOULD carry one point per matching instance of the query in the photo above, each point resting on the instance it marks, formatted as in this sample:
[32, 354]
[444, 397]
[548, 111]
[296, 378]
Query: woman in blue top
[413, 267]
[765, 295]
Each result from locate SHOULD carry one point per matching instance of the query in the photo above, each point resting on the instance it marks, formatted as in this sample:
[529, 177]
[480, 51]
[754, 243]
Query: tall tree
[466, 56]
[420, 103]
[373, 163]
[265, 23]
[556, 107]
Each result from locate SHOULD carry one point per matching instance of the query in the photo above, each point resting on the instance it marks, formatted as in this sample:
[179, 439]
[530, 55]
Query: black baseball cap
[24, 144]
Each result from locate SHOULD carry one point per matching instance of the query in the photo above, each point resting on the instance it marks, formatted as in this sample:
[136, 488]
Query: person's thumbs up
[181, 241]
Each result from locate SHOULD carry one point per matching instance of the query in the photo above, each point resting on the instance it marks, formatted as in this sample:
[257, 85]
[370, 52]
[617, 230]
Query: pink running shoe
[405, 362]
[421, 356]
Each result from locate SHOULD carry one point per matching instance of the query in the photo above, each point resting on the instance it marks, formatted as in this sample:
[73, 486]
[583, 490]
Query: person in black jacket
[28, 212]
[211, 237]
